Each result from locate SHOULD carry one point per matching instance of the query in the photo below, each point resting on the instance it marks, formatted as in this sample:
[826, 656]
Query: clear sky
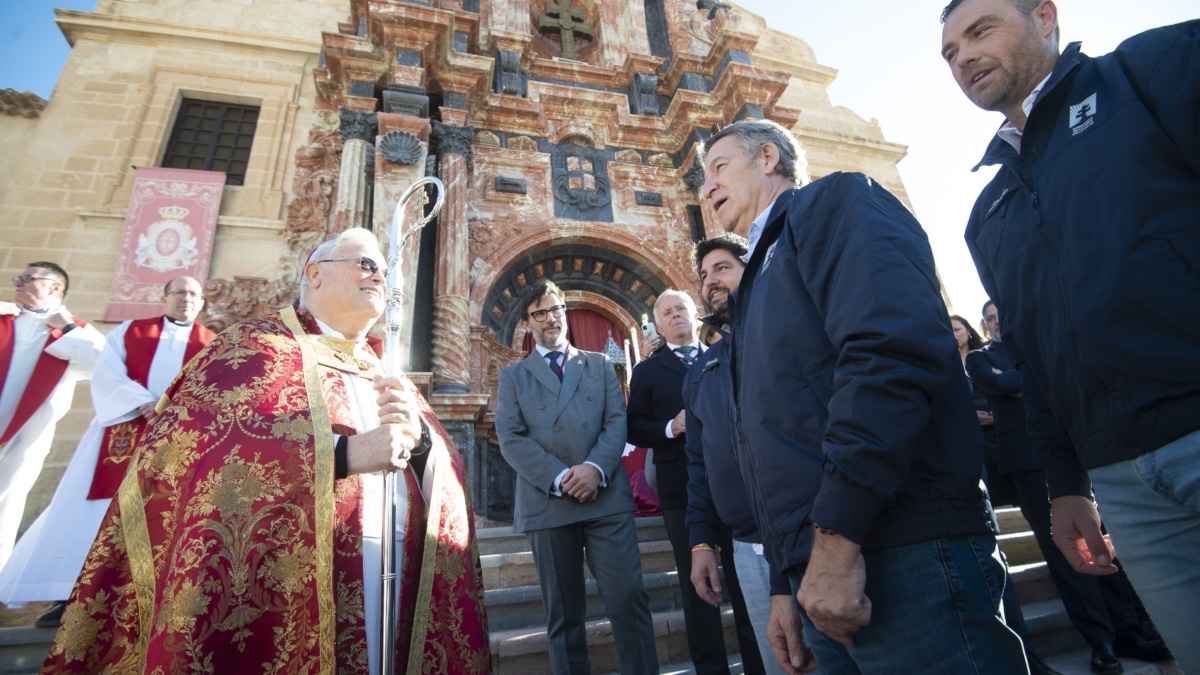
[887, 53]
[32, 48]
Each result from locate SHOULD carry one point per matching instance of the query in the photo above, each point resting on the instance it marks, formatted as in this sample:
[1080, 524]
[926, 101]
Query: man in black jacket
[1102, 609]
[855, 431]
[655, 419]
[1087, 240]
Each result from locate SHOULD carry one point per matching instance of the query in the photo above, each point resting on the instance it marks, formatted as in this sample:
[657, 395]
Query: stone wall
[66, 181]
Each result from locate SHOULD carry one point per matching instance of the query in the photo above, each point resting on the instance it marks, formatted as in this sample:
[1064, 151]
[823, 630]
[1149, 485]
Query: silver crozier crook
[399, 236]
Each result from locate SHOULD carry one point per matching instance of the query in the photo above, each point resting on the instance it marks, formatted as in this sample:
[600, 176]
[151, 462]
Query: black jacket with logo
[1089, 242]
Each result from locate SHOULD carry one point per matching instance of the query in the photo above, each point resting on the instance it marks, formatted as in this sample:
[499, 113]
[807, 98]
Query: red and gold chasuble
[141, 344]
[231, 548]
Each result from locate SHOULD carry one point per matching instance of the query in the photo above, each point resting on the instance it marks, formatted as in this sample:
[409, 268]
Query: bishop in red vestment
[236, 542]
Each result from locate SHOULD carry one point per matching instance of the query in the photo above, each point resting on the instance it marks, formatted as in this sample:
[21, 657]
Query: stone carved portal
[582, 268]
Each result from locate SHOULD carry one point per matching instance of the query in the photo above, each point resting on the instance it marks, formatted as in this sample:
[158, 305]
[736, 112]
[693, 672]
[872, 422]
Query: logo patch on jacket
[1082, 115]
[770, 254]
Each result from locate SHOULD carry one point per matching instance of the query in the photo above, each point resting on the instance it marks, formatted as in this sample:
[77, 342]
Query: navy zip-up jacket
[1089, 242]
[716, 493]
[852, 407]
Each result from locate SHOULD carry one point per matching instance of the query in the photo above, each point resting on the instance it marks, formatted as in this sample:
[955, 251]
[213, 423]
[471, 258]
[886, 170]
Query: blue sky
[32, 48]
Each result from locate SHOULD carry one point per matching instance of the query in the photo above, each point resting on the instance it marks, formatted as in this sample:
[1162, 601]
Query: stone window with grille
[212, 136]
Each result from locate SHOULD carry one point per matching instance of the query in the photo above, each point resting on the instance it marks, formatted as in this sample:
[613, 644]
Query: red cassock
[232, 548]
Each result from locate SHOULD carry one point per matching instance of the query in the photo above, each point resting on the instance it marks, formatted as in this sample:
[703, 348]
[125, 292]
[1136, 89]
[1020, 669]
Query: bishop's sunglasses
[365, 264]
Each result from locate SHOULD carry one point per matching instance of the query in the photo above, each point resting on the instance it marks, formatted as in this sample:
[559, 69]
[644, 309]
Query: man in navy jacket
[856, 435]
[717, 499]
[1087, 239]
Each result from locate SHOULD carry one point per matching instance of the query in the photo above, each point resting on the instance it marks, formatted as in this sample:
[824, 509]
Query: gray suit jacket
[545, 426]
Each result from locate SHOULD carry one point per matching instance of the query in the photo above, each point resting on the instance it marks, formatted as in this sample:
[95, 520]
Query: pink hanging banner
[169, 231]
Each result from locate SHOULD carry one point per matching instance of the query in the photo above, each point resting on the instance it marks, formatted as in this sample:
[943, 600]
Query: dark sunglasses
[365, 264]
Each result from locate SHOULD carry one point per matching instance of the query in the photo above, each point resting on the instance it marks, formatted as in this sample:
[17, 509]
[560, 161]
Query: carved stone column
[451, 320]
[358, 142]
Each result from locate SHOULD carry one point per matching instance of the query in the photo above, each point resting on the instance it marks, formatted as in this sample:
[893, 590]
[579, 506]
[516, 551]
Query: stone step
[1033, 582]
[1020, 548]
[521, 607]
[23, 649]
[1079, 663]
[1052, 631]
[1011, 520]
[511, 570]
[493, 540]
[525, 650]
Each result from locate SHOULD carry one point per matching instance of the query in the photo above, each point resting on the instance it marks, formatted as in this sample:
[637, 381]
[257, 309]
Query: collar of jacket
[715, 322]
[999, 149]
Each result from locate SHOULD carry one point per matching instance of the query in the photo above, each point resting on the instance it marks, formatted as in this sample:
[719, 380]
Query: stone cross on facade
[562, 18]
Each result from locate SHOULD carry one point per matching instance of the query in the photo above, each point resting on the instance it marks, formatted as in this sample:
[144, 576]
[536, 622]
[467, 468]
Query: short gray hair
[353, 235]
[752, 135]
[673, 292]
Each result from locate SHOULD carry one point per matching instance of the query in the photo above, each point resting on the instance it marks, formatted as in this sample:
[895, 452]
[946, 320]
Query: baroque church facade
[565, 133]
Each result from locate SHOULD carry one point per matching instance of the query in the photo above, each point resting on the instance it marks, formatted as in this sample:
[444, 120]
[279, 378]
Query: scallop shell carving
[400, 147]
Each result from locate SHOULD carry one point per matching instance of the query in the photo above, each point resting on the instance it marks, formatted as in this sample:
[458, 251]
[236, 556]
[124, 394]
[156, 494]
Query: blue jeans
[935, 609]
[1151, 507]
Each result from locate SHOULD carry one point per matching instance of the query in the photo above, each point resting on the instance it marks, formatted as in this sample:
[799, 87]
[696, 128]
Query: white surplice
[50, 554]
[22, 457]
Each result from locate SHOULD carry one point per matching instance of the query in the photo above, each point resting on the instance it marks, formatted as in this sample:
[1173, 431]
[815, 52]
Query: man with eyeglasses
[253, 507]
[560, 418]
[44, 351]
[139, 360]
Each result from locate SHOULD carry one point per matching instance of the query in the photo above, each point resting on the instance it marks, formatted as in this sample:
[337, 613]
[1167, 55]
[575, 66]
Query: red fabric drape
[586, 330]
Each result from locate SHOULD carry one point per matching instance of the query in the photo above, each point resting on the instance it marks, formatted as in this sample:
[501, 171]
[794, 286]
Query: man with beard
[246, 534]
[1086, 238]
[717, 499]
[853, 422]
[44, 351]
[140, 358]
[560, 418]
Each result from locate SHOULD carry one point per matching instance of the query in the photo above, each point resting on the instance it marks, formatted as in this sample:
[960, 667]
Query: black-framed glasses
[27, 278]
[364, 263]
[540, 315]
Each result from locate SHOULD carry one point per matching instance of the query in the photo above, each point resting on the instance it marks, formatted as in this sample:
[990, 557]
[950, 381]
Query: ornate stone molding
[452, 140]
[694, 178]
[228, 302]
[400, 147]
[357, 125]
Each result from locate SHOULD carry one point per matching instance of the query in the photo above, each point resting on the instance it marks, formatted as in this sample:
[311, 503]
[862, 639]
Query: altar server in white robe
[44, 351]
[139, 360]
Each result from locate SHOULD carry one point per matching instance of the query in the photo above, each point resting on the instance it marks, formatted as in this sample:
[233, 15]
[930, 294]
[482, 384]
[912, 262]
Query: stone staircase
[517, 623]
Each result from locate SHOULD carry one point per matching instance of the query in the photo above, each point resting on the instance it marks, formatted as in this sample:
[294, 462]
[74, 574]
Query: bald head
[183, 298]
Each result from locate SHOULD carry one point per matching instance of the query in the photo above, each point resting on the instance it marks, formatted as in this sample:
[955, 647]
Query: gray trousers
[611, 548]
